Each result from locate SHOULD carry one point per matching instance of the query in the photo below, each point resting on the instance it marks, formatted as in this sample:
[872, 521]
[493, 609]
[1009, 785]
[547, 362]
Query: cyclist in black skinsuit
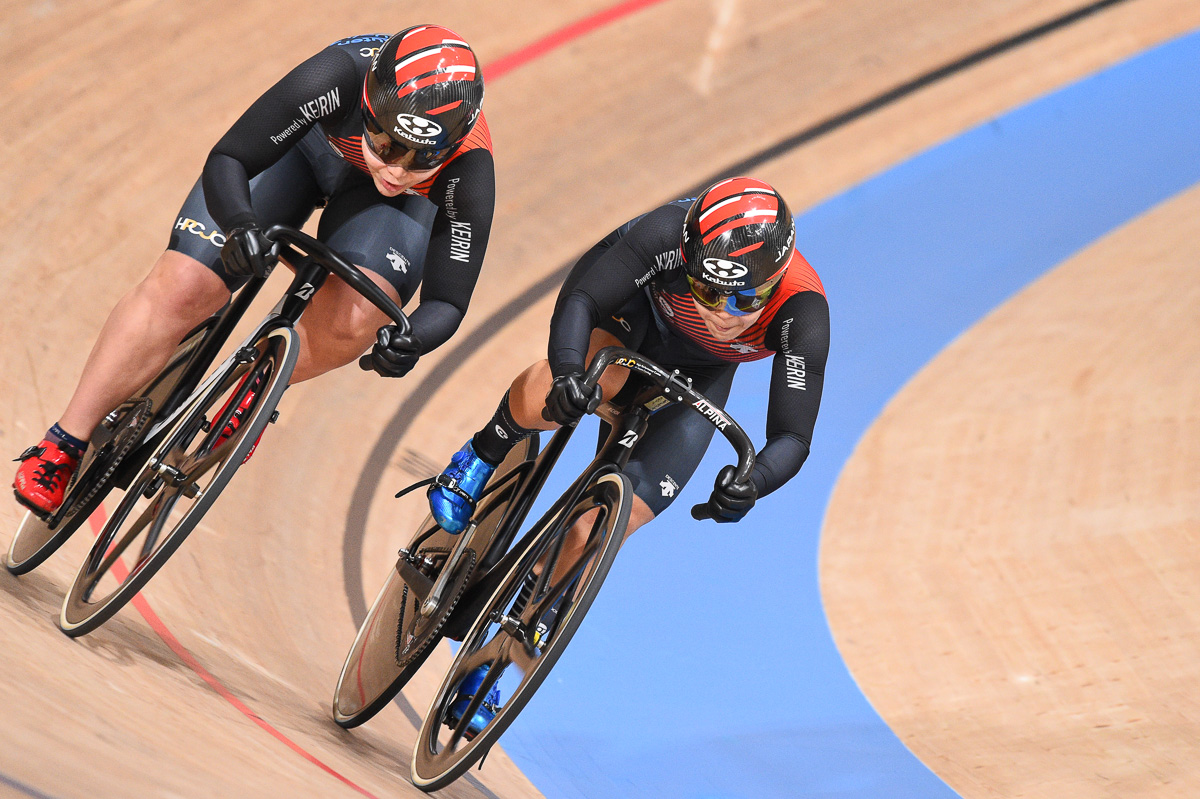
[384, 132]
[731, 288]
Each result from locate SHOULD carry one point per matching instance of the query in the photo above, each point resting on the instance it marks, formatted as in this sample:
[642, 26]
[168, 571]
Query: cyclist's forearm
[227, 192]
[570, 331]
[434, 322]
[778, 462]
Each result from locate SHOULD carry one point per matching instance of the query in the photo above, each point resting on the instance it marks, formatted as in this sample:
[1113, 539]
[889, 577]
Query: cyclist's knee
[527, 395]
[613, 379]
[352, 322]
[639, 514]
[181, 288]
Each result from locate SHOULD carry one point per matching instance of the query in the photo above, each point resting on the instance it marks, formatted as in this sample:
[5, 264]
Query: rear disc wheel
[395, 638]
[117, 437]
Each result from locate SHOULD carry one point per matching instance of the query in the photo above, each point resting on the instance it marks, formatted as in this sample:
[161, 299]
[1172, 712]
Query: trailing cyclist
[386, 134]
[699, 286]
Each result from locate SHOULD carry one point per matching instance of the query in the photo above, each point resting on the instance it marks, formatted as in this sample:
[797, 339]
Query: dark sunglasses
[393, 153]
[735, 303]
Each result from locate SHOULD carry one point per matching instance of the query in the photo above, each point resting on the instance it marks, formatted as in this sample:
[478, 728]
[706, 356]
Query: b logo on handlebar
[306, 291]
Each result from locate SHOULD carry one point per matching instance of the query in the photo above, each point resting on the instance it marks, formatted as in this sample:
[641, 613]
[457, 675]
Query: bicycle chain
[142, 405]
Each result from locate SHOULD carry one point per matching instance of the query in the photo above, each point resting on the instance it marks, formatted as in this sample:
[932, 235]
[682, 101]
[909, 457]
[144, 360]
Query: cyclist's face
[725, 326]
[393, 180]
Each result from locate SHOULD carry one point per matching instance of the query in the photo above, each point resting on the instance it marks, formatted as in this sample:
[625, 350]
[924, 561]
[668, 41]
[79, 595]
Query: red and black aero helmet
[738, 237]
[421, 97]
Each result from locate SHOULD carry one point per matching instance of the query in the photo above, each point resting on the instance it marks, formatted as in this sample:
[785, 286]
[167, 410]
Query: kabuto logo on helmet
[722, 272]
[417, 128]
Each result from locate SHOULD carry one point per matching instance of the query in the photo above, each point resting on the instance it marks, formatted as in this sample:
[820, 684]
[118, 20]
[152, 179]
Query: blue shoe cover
[470, 473]
[466, 691]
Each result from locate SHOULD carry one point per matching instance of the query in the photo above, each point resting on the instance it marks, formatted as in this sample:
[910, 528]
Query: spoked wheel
[398, 633]
[518, 635]
[182, 477]
[120, 433]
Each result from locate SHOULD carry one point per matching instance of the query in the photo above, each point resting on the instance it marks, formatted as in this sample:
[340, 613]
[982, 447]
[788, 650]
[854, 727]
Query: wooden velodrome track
[108, 111]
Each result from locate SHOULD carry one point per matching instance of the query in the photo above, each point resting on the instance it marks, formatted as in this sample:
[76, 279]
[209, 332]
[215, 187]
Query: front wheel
[524, 628]
[183, 476]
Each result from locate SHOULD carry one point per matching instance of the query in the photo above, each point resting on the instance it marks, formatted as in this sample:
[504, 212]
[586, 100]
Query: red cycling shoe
[43, 477]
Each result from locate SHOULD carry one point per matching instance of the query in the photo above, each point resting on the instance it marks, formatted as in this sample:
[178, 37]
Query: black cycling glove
[394, 353]
[569, 399]
[730, 500]
[247, 252]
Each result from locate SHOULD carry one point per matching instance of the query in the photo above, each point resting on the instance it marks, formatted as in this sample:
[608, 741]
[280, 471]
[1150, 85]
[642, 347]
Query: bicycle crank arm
[417, 582]
[435, 595]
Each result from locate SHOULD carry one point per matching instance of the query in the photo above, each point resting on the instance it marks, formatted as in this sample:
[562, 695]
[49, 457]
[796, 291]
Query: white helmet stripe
[425, 52]
[735, 198]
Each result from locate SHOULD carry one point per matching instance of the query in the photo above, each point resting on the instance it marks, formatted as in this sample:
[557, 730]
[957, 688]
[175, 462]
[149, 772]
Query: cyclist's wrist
[244, 221]
[565, 369]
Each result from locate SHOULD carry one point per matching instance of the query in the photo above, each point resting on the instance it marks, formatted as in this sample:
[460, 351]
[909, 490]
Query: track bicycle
[175, 446]
[516, 606]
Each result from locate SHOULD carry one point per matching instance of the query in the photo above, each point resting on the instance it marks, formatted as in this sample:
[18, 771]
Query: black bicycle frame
[660, 390]
[313, 261]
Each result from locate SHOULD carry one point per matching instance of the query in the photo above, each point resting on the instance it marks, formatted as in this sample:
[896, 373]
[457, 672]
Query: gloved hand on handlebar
[730, 500]
[394, 353]
[569, 399]
[247, 252]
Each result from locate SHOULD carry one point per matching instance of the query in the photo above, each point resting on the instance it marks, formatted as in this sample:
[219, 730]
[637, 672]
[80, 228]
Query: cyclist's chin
[726, 327]
[725, 334]
[386, 187]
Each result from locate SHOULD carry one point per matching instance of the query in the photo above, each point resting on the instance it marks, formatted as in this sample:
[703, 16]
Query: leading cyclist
[696, 285]
[386, 133]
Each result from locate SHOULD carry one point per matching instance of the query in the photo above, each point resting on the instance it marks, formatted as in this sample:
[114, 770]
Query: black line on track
[368, 479]
[28, 790]
[900, 92]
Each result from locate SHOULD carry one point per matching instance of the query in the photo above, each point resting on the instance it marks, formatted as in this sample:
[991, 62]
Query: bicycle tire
[502, 634]
[193, 450]
[35, 539]
[381, 662]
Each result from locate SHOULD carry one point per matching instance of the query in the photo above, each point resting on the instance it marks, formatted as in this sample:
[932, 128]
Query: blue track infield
[706, 668]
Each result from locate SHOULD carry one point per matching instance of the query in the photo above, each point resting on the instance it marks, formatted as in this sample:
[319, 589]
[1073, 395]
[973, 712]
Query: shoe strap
[414, 486]
[36, 451]
[450, 484]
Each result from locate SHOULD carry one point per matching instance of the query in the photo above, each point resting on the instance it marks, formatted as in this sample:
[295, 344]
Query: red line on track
[558, 38]
[97, 520]
[496, 69]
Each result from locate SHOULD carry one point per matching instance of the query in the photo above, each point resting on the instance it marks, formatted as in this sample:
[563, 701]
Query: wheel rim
[503, 639]
[175, 487]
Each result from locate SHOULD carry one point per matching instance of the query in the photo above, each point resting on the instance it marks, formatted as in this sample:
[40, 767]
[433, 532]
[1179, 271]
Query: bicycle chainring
[126, 436]
[415, 632]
